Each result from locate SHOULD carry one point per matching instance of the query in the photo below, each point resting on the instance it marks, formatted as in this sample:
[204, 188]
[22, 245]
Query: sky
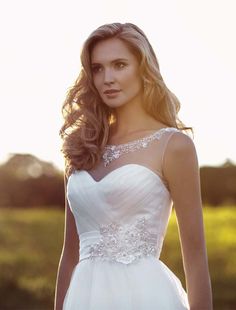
[195, 43]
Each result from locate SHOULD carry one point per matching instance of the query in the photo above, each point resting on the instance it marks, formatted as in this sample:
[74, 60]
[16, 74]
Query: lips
[111, 91]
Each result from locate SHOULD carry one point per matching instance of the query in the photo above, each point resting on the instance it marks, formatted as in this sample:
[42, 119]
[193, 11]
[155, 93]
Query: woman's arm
[182, 173]
[69, 256]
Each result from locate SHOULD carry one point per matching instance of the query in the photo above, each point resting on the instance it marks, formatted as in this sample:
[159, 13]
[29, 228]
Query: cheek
[134, 83]
[97, 82]
[133, 76]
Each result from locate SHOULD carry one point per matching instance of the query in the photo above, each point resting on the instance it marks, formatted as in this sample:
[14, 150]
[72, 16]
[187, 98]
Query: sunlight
[40, 61]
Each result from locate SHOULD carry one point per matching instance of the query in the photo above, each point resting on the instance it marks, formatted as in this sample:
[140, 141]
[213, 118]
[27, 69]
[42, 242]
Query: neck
[131, 118]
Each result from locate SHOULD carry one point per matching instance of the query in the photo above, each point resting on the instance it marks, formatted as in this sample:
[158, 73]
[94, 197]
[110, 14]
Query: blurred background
[40, 59]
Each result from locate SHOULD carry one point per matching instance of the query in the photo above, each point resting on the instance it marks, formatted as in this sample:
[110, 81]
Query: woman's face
[115, 73]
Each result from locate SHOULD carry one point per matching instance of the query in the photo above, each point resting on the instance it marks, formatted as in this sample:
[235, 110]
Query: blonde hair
[87, 119]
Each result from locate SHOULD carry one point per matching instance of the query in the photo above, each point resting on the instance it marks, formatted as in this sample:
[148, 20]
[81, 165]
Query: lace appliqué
[112, 152]
[125, 244]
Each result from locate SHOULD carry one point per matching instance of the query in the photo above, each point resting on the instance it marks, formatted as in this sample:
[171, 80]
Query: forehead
[110, 49]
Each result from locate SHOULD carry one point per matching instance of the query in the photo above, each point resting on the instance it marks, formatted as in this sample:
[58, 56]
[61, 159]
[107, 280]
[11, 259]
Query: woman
[128, 157]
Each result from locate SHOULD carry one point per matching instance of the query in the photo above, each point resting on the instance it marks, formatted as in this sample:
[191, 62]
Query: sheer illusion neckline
[109, 145]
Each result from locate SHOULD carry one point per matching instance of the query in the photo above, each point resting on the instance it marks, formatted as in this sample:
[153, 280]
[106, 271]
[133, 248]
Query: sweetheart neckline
[118, 169]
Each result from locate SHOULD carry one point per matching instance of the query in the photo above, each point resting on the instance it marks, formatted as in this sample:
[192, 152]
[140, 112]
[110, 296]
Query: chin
[114, 104]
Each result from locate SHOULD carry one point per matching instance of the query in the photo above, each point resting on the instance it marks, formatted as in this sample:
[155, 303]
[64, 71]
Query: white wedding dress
[121, 218]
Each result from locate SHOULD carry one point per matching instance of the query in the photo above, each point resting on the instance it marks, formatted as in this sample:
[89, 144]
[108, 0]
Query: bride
[128, 158]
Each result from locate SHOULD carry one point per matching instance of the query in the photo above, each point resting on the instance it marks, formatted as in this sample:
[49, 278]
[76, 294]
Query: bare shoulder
[180, 158]
[180, 144]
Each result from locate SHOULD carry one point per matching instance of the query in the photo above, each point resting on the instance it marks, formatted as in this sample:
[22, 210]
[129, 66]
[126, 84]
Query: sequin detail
[113, 151]
[125, 244]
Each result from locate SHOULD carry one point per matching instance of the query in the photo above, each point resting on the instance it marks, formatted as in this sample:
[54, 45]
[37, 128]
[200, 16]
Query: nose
[108, 76]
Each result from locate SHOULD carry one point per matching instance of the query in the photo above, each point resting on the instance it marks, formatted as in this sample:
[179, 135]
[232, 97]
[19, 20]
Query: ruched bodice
[121, 220]
[124, 197]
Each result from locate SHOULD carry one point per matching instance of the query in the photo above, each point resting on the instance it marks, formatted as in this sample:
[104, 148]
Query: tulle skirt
[146, 284]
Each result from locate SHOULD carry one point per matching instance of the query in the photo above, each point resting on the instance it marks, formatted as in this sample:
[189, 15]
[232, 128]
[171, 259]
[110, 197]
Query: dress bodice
[124, 215]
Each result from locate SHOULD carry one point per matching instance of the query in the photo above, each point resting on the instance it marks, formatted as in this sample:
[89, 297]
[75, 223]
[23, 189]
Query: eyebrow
[115, 60]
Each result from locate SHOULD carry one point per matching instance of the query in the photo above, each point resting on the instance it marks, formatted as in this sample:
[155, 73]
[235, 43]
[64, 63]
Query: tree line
[26, 181]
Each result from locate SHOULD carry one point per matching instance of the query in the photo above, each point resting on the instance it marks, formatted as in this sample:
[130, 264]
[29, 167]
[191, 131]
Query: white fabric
[123, 195]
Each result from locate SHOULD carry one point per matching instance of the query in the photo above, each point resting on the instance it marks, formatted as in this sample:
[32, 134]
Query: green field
[31, 242]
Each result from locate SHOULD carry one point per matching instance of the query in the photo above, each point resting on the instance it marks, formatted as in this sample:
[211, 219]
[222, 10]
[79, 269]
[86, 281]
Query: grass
[220, 235]
[31, 243]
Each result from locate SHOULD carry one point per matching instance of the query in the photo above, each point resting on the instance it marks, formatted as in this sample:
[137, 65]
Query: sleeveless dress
[121, 219]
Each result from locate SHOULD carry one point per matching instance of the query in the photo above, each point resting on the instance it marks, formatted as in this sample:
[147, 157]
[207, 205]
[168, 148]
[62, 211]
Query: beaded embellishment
[113, 151]
[125, 244]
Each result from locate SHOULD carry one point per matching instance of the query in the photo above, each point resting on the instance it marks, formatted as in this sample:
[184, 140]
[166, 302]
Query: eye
[96, 69]
[120, 65]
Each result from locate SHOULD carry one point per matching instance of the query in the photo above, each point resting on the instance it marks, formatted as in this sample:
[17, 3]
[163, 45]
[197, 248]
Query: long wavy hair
[87, 118]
